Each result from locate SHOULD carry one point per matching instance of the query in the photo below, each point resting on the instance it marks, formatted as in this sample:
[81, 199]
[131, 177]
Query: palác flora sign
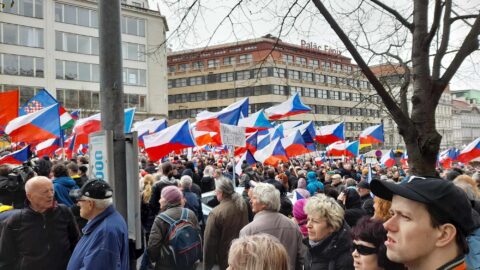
[313, 46]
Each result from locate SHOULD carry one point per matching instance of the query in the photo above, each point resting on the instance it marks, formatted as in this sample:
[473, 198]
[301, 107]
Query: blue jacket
[104, 244]
[62, 186]
[313, 185]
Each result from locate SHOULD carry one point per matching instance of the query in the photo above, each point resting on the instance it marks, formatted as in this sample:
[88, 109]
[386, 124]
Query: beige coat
[223, 225]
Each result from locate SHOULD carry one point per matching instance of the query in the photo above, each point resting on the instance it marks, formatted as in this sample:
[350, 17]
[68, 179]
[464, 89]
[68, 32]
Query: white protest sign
[233, 135]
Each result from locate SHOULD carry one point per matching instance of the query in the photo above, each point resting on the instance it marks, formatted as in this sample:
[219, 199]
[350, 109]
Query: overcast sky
[256, 18]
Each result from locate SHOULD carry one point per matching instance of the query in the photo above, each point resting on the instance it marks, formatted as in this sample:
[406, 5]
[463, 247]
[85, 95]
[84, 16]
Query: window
[335, 95]
[10, 64]
[279, 90]
[22, 35]
[229, 60]
[26, 66]
[307, 76]
[196, 80]
[243, 75]
[294, 74]
[133, 26]
[213, 63]
[244, 58]
[181, 82]
[68, 70]
[29, 8]
[313, 63]
[197, 65]
[287, 58]
[279, 72]
[182, 67]
[295, 89]
[301, 60]
[226, 77]
[21, 65]
[309, 92]
[133, 51]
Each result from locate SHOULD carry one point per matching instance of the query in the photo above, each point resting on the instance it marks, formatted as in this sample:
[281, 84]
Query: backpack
[184, 240]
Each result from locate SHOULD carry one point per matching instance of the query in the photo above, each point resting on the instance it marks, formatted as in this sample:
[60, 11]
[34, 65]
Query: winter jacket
[367, 204]
[334, 252]
[353, 207]
[104, 244]
[223, 225]
[473, 257]
[313, 185]
[207, 184]
[32, 240]
[62, 186]
[284, 229]
[158, 245]
[156, 192]
[193, 202]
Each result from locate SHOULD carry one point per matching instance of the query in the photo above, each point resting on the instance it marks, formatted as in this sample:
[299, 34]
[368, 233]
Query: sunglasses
[364, 250]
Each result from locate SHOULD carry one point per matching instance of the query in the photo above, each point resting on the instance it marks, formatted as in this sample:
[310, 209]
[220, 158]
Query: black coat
[334, 253]
[31, 240]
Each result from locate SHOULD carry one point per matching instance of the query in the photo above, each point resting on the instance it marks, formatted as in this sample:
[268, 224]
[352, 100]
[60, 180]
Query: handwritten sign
[233, 135]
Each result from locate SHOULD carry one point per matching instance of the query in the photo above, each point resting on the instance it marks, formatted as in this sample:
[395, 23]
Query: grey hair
[267, 195]
[467, 189]
[225, 186]
[100, 203]
[208, 171]
[186, 181]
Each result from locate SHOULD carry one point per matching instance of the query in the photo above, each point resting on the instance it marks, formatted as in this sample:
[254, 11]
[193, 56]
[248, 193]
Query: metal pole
[111, 94]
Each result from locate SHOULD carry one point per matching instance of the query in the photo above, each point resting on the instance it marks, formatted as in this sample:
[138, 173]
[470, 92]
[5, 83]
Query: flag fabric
[251, 145]
[263, 141]
[206, 137]
[276, 132]
[210, 121]
[43, 99]
[388, 159]
[34, 127]
[173, 138]
[330, 133]
[8, 108]
[320, 160]
[470, 152]
[47, 148]
[148, 127]
[294, 145]
[404, 159]
[17, 157]
[272, 154]
[340, 148]
[445, 158]
[369, 174]
[290, 124]
[291, 106]
[247, 156]
[372, 135]
[360, 159]
[254, 122]
[75, 115]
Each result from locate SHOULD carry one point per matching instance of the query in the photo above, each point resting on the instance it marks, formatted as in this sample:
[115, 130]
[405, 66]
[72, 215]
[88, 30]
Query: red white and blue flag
[291, 106]
[34, 127]
[210, 121]
[447, 157]
[272, 154]
[372, 135]
[254, 122]
[330, 133]
[470, 152]
[340, 148]
[248, 157]
[294, 145]
[148, 127]
[8, 108]
[47, 148]
[388, 159]
[17, 157]
[251, 145]
[173, 138]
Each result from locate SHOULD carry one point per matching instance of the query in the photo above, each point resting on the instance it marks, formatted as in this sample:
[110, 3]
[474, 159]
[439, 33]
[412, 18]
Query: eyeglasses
[364, 250]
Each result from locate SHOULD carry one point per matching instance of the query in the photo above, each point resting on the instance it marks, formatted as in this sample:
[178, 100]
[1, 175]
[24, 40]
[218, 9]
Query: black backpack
[183, 240]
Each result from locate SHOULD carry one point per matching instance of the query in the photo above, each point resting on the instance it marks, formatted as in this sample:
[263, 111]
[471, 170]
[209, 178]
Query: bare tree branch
[437, 60]
[436, 22]
[397, 15]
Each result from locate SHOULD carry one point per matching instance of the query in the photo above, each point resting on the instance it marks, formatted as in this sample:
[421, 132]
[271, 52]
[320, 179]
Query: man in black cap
[363, 188]
[430, 221]
[104, 244]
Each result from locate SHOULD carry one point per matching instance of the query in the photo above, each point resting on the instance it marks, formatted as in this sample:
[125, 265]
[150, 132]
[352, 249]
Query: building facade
[392, 77]
[466, 122]
[472, 96]
[54, 45]
[269, 71]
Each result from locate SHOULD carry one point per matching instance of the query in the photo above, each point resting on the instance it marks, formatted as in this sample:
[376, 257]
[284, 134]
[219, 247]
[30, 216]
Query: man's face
[42, 195]
[363, 191]
[410, 235]
[86, 208]
[257, 206]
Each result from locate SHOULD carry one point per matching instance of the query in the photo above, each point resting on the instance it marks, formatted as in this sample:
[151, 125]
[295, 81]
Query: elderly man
[40, 236]
[430, 221]
[104, 244]
[265, 202]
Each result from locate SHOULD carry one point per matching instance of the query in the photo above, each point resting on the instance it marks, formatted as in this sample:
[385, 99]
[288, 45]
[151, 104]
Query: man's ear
[447, 234]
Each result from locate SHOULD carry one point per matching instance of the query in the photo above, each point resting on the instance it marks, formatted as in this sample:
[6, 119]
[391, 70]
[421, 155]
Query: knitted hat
[172, 194]
[298, 211]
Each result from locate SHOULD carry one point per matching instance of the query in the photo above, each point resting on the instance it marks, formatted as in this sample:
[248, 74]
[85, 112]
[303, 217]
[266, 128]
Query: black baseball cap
[95, 189]
[441, 194]
[363, 184]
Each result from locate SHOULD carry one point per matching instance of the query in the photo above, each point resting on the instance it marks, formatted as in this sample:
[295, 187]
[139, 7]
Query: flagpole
[233, 165]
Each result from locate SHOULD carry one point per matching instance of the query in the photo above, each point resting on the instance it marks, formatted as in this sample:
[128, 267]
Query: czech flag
[294, 145]
[330, 133]
[290, 124]
[8, 108]
[446, 157]
[254, 122]
[276, 132]
[47, 148]
[43, 99]
[206, 137]
[372, 135]
[148, 127]
[272, 154]
[250, 161]
[360, 159]
[210, 121]
[404, 159]
[388, 160]
[173, 138]
[470, 152]
[75, 115]
[17, 157]
[38, 126]
[349, 149]
[251, 145]
[263, 141]
[291, 106]
[320, 160]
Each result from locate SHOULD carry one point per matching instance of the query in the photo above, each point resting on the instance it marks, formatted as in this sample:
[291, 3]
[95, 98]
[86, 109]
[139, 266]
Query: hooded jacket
[313, 185]
[62, 186]
[353, 207]
[334, 252]
[104, 244]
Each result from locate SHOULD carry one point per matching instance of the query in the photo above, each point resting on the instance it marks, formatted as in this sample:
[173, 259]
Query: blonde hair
[148, 180]
[382, 209]
[326, 207]
[469, 181]
[258, 252]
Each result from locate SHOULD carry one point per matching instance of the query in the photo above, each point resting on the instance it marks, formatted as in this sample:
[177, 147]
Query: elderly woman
[329, 241]
[369, 251]
[257, 252]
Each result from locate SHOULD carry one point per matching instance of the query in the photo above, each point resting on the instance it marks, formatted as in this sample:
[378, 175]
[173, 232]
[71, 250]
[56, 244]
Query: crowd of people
[296, 215]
